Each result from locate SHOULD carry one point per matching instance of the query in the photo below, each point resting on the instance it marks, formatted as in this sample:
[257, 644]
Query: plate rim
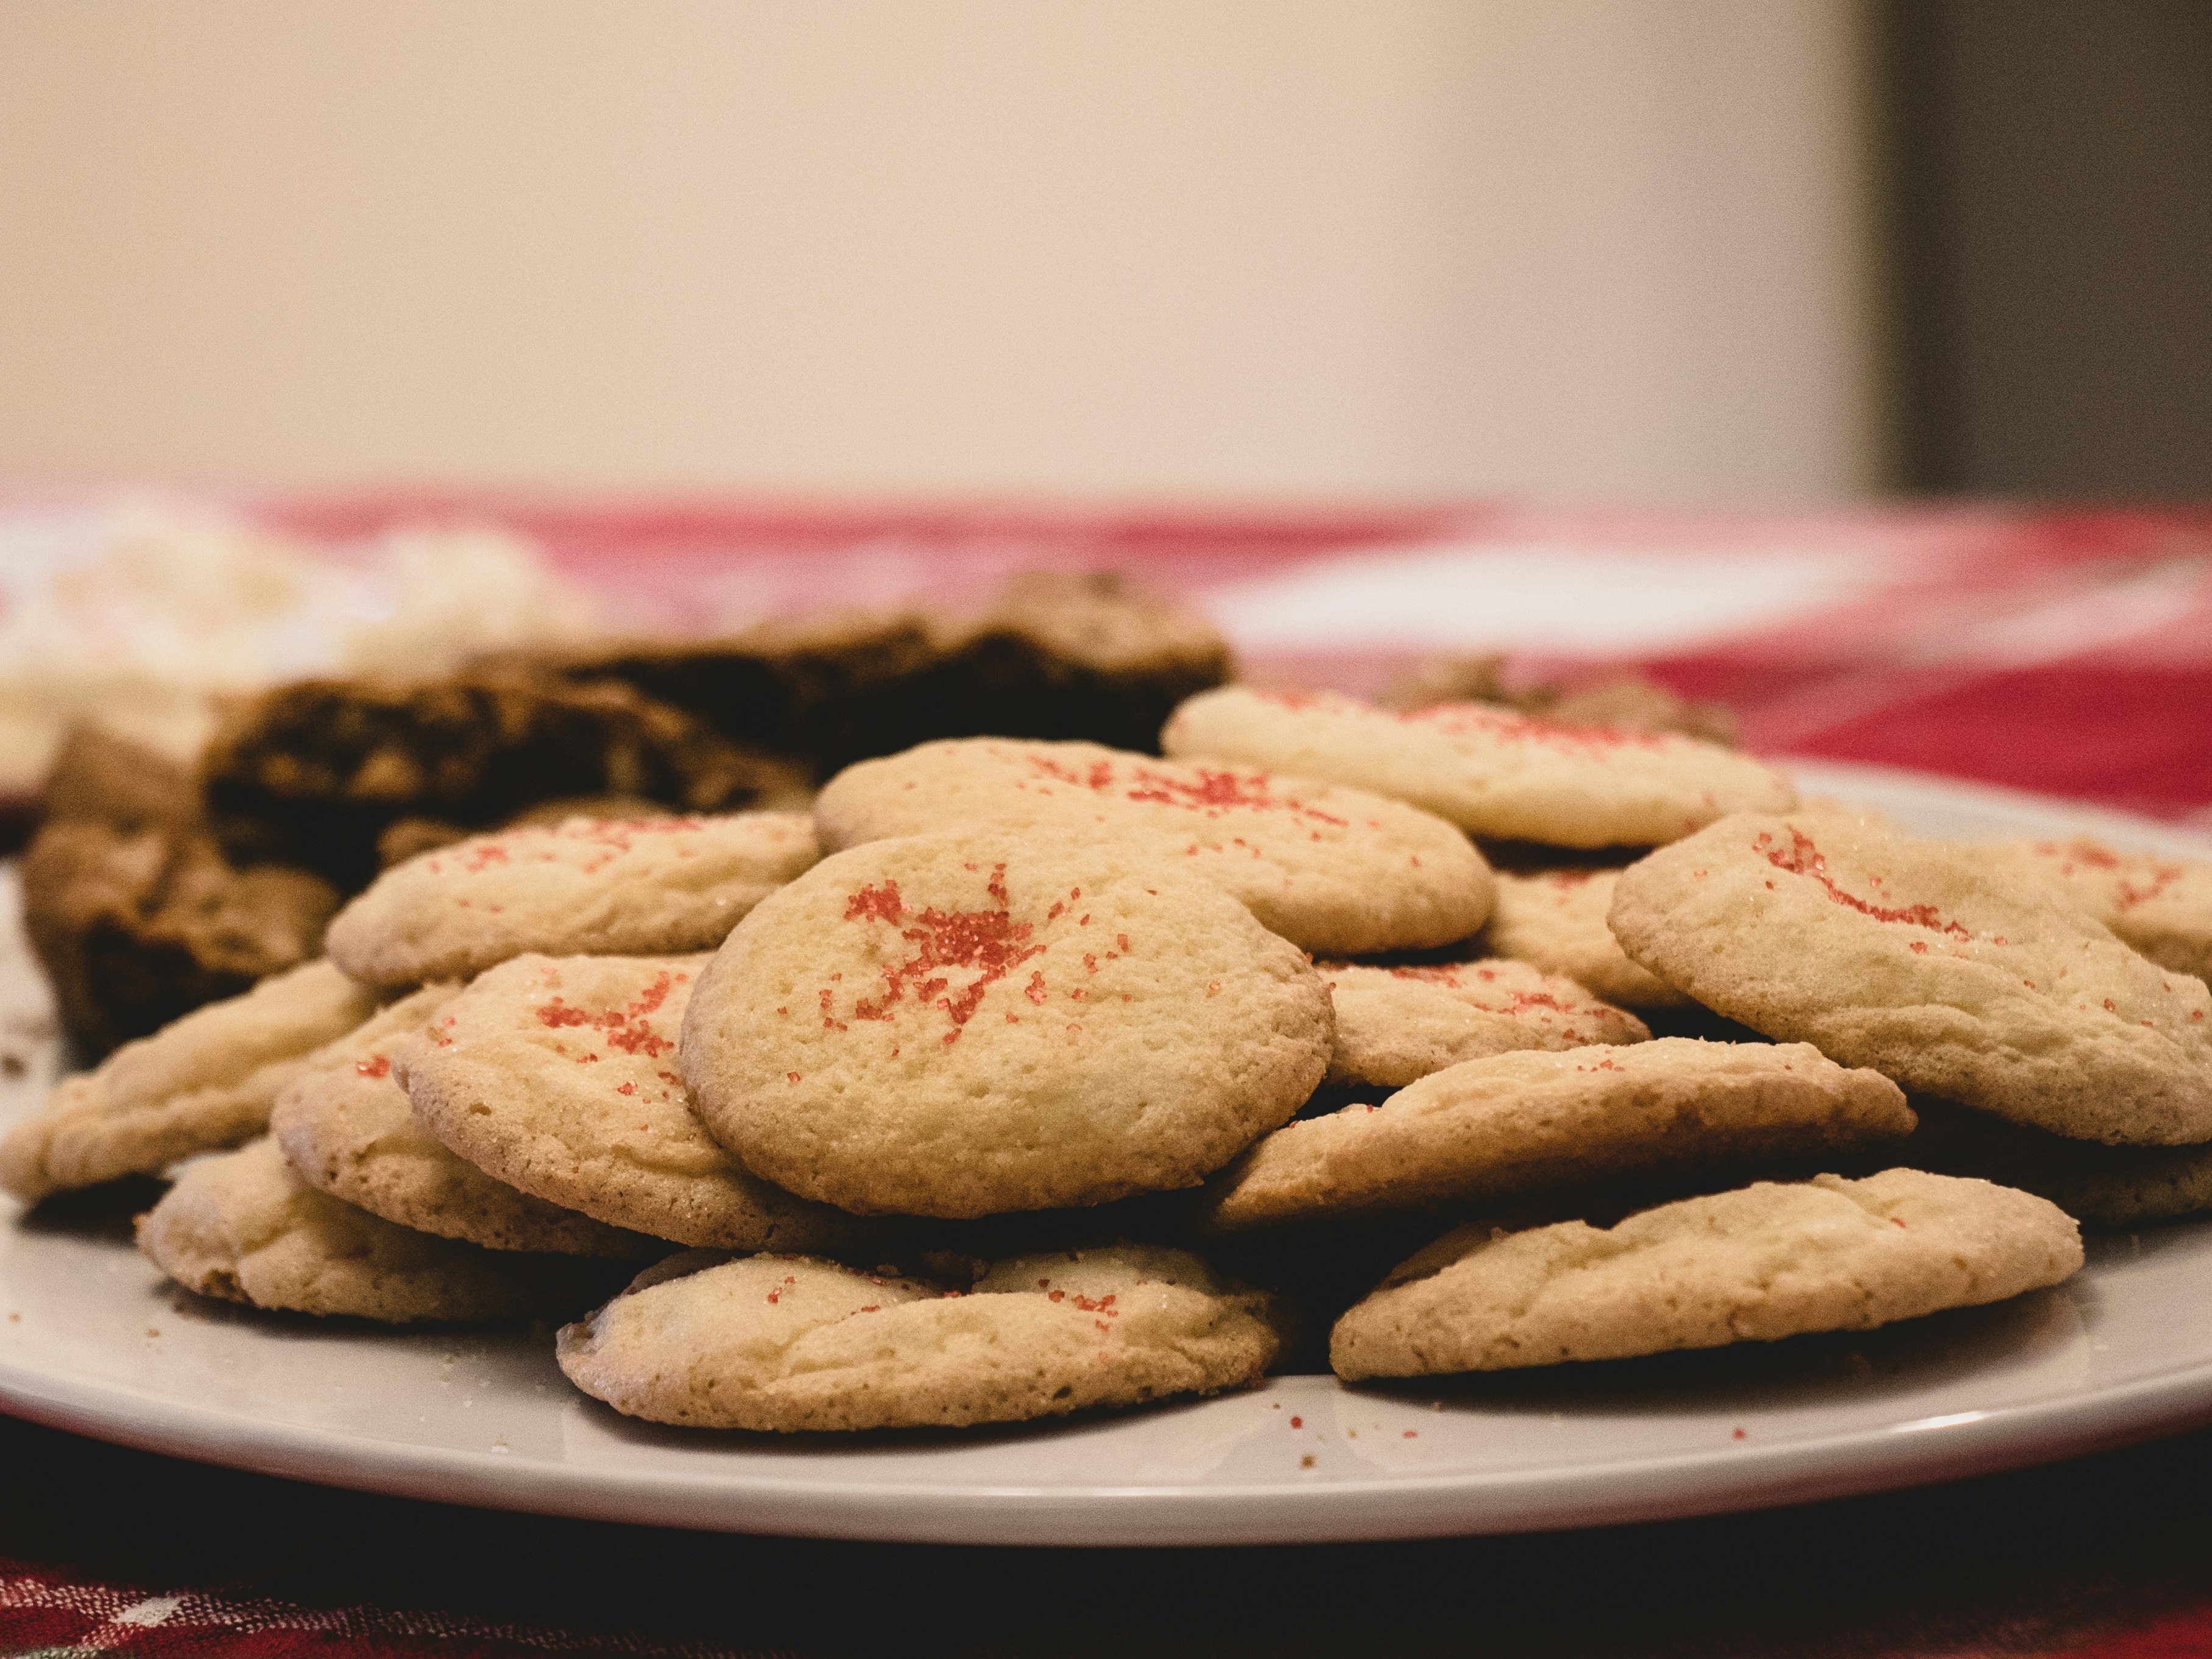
[1724, 1480]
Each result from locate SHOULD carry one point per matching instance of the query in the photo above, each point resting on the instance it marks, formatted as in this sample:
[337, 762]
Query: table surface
[2065, 653]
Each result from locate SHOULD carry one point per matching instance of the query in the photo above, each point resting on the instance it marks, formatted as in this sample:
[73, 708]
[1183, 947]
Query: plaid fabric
[2068, 653]
[50, 1615]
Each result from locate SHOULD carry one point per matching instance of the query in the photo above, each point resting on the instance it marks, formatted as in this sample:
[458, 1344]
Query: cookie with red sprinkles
[1931, 962]
[1498, 1130]
[1394, 1024]
[787, 1342]
[1764, 1262]
[587, 886]
[964, 1024]
[1492, 771]
[2158, 903]
[556, 1075]
[1335, 870]
[344, 1127]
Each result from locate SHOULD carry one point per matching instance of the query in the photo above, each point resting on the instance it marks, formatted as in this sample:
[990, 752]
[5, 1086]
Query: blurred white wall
[1173, 248]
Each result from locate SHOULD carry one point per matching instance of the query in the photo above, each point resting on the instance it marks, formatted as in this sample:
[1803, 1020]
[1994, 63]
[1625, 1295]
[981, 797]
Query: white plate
[92, 1339]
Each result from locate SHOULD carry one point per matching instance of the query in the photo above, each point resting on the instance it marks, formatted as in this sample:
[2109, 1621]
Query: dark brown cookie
[315, 772]
[1055, 654]
[136, 929]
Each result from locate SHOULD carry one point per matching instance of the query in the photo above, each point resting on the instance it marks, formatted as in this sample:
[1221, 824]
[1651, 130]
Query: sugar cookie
[2161, 906]
[1491, 771]
[1932, 962]
[956, 1025]
[2099, 1186]
[344, 1127]
[556, 1075]
[790, 1342]
[1334, 870]
[242, 1226]
[599, 885]
[200, 1083]
[1494, 1130]
[1751, 1266]
[1554, 919]
[1394, 1024]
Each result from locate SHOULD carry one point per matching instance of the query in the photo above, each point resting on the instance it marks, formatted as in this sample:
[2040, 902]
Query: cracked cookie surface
[1762, 1262]
[1513, 1125]
[244, 1227]
[791, 1343]
[203, 1082]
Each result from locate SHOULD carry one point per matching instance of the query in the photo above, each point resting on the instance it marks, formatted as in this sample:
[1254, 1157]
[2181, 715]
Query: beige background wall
[1165, 247]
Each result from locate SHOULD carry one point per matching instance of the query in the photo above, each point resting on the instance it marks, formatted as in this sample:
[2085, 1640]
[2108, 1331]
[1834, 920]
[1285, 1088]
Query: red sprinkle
[991, 941]
[1468, 720]
[1803, 858]
[375, 1065]
[624, 1028]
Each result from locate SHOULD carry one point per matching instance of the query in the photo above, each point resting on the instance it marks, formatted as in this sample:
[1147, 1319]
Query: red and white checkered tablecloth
[2068, 653]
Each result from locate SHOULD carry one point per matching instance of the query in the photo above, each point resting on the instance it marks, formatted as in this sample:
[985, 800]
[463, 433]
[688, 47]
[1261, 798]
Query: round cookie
[791, 1343]
[1755, 1265]
[1514, 1124]
[2161, 906]
[1334, 871]
[1931, 963]
[344, 1127]
[1554, 919]
[556, 1075]
[598, 886]
[244, 1227]
[1394, 1024]
[200, 1083]
[2099, 1186]
[1491, 771]
[959, 1025]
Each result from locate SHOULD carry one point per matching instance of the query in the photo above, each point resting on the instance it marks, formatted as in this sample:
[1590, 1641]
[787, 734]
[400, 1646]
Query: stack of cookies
[1023, 1077]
